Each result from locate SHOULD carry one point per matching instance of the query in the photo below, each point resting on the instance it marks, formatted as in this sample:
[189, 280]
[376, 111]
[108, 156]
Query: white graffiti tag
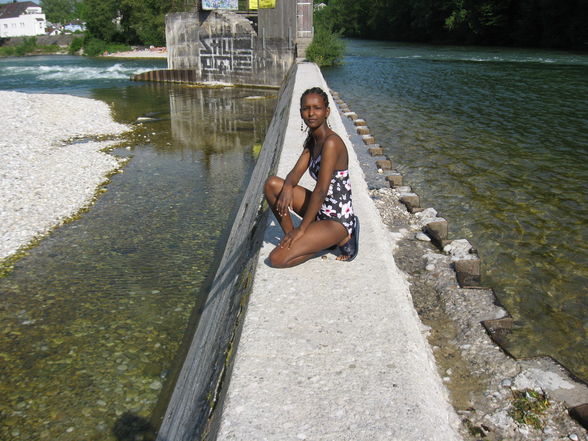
[226, 54]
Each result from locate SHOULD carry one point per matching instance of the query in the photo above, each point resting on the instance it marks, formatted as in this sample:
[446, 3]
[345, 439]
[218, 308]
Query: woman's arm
[285, 199]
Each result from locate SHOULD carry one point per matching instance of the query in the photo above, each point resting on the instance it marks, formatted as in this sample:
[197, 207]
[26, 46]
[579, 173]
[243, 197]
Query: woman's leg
[273, 188]
[318, 236]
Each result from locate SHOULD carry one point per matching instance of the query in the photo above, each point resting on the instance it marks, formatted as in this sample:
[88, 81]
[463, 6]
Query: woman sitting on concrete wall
[327, 211]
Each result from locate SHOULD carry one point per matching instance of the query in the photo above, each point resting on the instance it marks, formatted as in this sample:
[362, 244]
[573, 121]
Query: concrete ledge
[192, 412]
[334, 350]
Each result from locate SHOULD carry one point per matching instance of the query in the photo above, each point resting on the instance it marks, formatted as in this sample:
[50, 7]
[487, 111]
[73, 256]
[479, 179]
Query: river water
[92, 320]
[497, 141]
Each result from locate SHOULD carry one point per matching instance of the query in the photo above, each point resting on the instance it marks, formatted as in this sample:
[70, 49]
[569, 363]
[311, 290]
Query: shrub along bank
[93, 47]
[29, 46]
[326, 48]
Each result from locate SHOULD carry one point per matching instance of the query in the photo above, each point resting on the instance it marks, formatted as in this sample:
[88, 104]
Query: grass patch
[7, 51]
[528, 406]
[27, 46]
[49, 49]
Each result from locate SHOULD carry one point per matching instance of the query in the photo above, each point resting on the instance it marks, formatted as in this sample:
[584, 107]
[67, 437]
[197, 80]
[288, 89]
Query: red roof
[11, 10]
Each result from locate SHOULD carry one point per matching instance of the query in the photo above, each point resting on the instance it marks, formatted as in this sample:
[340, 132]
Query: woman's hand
[285, 199]
[291, 237]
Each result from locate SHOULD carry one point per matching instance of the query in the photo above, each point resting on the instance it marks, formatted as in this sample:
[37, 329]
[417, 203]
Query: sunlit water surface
[497, 141]
[92, 320]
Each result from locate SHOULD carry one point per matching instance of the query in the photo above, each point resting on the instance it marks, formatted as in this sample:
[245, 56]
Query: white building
[21, 19]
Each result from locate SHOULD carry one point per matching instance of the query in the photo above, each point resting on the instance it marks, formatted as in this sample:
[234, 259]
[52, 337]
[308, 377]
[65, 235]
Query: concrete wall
[181, 35]
[278, 22]
[221, 46]
[290, 21]
[334, 350]
[193, 410]
[43, 40]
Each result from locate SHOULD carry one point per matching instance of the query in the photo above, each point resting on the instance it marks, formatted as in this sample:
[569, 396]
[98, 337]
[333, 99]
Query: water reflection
[235, 112]
[92, 320]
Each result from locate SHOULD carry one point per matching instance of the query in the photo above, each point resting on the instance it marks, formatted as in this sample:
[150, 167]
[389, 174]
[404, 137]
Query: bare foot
[343, 257]
[350, 246]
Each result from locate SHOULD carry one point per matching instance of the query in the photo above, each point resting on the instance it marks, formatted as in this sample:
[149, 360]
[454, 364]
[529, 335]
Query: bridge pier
[225, 47]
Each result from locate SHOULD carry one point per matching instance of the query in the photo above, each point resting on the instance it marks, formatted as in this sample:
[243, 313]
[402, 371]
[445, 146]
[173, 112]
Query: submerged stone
[156, 385]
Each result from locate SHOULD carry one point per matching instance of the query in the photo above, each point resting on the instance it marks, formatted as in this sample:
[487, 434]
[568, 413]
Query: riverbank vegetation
[533, 23]
[28, 46]
[93, 47]
[326, 48]
[112, 23]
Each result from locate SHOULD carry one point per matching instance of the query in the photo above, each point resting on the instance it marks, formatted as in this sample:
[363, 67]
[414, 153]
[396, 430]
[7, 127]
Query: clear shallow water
[92, 321]
[497, 141]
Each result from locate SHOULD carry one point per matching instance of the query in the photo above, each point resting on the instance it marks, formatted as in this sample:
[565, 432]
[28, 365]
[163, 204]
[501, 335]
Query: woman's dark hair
[318, 91]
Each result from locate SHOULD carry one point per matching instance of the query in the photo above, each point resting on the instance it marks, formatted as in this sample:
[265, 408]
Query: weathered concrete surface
[334, 350]
[181, 38]
[221, 46]
[194, 408]
[290, 21]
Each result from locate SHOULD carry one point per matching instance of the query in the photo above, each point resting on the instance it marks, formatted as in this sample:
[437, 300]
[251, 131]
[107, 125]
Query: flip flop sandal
[351, 247]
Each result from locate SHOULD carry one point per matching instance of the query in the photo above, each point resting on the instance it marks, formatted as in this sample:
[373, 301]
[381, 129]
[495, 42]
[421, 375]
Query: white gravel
[44, 178]
[139, 54]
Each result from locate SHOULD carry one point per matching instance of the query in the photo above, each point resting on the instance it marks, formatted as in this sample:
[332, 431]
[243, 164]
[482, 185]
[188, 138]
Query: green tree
[102, 19]
[144, 20]
[323, 18]
[563, 24]
[403, 20]
[350, 17]
[80, 9]
[127, 21]
[474, 21]
[326, 48]
[391, 20]
[59, 11]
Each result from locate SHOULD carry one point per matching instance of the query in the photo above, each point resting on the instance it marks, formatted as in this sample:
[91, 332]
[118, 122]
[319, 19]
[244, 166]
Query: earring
[329, 124]
[302, 126]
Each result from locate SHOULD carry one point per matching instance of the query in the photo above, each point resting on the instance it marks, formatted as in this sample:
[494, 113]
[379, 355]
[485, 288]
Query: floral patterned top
[337, 205]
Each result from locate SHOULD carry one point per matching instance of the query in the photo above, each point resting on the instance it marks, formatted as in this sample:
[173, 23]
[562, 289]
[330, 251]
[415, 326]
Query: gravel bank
[50, 166]
[484, 382]
[145, 53]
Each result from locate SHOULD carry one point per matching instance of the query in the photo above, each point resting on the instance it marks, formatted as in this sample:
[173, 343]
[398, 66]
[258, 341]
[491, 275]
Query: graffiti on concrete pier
[226, 54]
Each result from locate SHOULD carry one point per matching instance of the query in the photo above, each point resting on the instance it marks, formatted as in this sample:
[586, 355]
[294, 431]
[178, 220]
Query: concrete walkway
[334, 350]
